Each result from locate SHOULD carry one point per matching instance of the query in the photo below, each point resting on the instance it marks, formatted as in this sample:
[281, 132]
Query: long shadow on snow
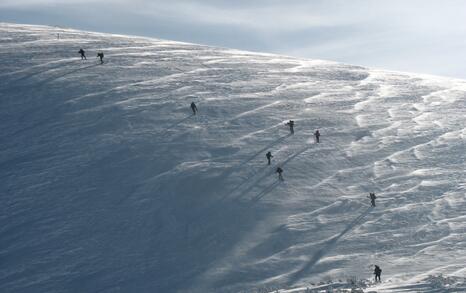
[266, 191]
[28, 76]
[279, 140]
[50, 79]
[270, 173]
[174, 125]
[214, 207]
[236, 168]
[329, 245]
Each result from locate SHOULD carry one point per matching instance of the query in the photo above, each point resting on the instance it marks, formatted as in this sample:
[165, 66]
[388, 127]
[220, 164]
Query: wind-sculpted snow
[110, 184]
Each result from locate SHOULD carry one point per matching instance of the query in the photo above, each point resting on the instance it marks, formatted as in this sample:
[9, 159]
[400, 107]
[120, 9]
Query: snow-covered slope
[109, 184]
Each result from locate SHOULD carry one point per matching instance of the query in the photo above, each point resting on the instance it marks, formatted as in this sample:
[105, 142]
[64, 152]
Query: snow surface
[109, 184]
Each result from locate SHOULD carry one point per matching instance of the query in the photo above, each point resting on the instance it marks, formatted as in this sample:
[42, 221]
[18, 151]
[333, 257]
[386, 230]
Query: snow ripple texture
[109, 184]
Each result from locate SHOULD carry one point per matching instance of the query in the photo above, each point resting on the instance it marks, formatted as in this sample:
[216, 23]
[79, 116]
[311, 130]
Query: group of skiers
[269, 156]
[291, 125]
[279, 171]
[83, 55]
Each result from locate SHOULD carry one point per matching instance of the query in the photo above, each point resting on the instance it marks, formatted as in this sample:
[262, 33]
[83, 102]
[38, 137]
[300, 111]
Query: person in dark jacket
[377, 273]
[101, 56]
[279, 171]
[291, 125]
[83, 54]
[317, 135]
[372, 197]
[194, 108]
[269, 157]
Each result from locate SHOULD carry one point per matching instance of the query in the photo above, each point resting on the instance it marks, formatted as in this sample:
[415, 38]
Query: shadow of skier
[262, 150]
[50, 79]
[240, 165]
[298, 153]
[329, 245]
[163, 133]
[267, 174]
[47, 69]
[266, 191]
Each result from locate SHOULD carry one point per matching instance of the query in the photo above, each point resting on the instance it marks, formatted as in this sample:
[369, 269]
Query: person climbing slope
[269, 157]
[372, 197]
[101, 56]
[83, 54]
[317, 135]
[194, 108]
[279, 171]
[377, 273]
[291, 125]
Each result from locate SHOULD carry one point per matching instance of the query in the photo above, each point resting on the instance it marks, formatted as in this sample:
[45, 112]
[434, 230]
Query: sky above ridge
[424, 36]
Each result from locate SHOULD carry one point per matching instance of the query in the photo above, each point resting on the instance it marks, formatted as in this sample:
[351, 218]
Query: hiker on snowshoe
[377, 273]
[194, 108]
[269, 157]
[291, 125]
[317, 135]
[101, 56]
[279, 171]
[372, 197]
[83, 54]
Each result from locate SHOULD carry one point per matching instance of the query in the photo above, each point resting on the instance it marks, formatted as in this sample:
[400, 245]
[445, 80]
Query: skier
[377, 273]
[291, 125]
[194, 108]
[317, 135]
[279, 171]
[83, 54]
[101, 56]
[269, 157]
[372, 197]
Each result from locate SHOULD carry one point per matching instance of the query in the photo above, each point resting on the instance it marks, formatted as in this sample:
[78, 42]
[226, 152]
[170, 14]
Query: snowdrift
[110, 184]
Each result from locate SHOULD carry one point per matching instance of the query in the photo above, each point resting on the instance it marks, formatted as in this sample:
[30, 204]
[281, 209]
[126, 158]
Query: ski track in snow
[110, 184]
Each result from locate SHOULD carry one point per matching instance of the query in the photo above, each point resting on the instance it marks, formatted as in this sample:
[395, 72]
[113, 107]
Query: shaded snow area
[110, 184]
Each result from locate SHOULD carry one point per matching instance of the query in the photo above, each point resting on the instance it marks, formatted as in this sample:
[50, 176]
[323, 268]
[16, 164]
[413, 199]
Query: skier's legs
[268, 159]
